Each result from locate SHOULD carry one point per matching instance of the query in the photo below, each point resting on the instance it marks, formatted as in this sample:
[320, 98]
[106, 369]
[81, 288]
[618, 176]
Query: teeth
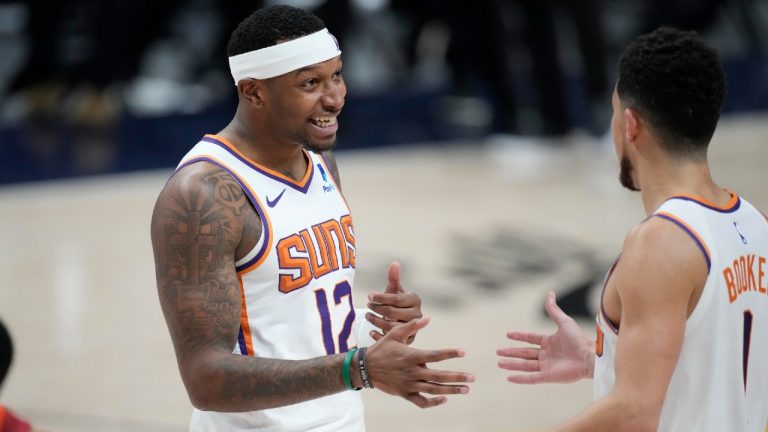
[324, 121]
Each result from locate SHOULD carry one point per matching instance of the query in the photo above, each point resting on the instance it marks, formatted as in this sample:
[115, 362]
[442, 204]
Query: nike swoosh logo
[272, 203]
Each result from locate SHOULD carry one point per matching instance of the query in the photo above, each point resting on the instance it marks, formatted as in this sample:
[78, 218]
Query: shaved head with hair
[268, 26]
[677, 84]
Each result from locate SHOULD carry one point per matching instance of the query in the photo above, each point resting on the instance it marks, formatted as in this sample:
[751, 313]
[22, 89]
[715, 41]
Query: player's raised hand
[564, 356]
[394, 305]
[400, 370]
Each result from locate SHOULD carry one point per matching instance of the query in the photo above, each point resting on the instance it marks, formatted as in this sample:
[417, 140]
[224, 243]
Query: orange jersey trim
[727, 207]
[301, 183]
[244, 325]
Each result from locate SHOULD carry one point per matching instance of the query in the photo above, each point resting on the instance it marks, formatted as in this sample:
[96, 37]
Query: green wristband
[345, 369]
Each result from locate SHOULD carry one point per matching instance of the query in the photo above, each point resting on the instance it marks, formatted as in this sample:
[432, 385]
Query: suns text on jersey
[745, 274]
[314, 252]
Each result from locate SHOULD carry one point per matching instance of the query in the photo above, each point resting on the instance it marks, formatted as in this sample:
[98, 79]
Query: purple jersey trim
[241, 342]
[302, 189]
[691, 235]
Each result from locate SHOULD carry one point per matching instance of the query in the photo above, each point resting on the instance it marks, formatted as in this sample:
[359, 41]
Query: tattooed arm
[200, 219]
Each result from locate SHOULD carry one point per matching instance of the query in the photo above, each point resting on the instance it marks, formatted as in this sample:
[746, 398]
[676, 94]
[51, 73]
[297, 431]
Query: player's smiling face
[305, 104]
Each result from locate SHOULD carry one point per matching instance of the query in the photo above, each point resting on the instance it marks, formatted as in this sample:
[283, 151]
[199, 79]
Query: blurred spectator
[479, 53]
[80, 51]
[477, 50]
[9, 422]
[550, 75]
[701, 15]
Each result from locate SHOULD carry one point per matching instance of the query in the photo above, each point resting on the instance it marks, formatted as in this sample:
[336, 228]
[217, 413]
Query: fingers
[447, 377]
[531, 338]
[383, 324]
[402, 314]
[521, 365]
[393, 279]
[522, 353]
[436, 389]
[441, 389]
[402, 332]
[434, 356]
[553, 310]
[398, 300]
[424, 402]
[376, 335]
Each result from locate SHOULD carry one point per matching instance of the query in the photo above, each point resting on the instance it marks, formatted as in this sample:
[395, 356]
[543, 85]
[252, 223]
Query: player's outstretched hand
[562, 357]
[398, 369]
[394, 305]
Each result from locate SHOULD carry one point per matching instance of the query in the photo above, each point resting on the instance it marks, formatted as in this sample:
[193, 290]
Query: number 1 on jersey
[747, 342]
[342, 289]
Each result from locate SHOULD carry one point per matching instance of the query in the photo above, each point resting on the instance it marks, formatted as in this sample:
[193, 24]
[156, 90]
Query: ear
[631, 125]
[252, 91]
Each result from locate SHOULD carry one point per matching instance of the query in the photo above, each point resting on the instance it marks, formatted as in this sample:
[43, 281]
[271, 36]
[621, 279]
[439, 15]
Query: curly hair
[676, 82]
[267, 26]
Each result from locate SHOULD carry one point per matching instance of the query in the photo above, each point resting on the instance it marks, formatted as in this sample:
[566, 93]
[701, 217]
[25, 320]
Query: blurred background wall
[91, 87]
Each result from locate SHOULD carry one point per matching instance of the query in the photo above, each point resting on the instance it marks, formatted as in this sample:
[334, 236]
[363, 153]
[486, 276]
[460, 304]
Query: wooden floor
[483, 232]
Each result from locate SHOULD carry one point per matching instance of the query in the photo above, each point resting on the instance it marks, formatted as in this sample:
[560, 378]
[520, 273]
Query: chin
[325, 145]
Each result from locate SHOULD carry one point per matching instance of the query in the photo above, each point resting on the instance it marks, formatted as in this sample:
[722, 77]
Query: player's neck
[285, 159]
[680, 178]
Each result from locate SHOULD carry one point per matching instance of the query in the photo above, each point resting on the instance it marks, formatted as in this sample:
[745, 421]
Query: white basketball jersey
[720, 382]
[296, 286]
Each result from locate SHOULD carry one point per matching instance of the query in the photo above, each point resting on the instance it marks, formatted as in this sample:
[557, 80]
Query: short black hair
[267, 26]
[676, 82]
[6, 352]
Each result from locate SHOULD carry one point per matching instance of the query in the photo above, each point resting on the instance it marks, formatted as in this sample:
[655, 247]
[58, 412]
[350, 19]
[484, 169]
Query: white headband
[284, 57]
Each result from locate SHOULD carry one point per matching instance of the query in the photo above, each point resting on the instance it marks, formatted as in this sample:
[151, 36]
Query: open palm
[562, 357]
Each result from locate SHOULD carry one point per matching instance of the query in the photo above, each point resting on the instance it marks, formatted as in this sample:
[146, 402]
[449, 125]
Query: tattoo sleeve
[197, 226]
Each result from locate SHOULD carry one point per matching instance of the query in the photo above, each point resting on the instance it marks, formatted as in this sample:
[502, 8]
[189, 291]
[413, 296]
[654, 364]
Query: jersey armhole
[691, 233]
[257, 255]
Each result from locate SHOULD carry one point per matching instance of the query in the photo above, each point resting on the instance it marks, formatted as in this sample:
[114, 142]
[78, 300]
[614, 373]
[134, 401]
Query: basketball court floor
[482, 232]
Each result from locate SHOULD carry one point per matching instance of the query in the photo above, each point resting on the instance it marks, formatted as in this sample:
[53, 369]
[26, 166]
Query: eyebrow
[305, 69]
[309, 68]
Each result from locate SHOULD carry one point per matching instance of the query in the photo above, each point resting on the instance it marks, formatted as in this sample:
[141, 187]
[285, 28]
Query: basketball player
[255, 255]
[682, 326]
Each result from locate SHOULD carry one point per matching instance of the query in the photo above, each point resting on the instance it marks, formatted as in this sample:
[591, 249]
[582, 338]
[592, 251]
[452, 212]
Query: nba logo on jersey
[328, 187]
[738, 230]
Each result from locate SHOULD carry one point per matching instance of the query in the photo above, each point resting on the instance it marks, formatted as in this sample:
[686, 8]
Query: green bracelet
[345, 369]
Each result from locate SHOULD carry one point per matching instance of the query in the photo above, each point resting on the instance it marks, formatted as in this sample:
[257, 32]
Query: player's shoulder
[657, 255]
[200, 176]
[659, 242]
[652, 232]
[198, 184]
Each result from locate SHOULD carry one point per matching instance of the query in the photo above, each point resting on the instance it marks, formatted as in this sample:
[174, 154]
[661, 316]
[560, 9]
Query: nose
[333, 98]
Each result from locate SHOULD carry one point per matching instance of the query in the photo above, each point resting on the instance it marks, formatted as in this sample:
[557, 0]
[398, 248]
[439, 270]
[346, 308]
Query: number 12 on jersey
[342, 289]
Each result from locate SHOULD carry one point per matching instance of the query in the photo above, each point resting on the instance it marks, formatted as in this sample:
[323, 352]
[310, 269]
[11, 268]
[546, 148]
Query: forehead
[331, 64]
